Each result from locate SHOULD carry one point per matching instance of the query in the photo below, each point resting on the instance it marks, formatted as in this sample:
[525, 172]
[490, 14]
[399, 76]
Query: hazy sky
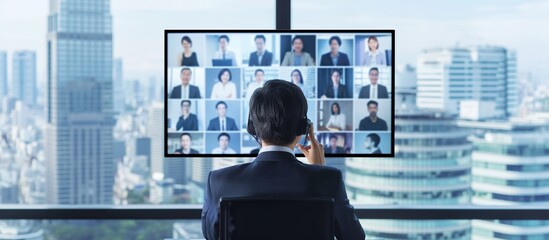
[138, 26]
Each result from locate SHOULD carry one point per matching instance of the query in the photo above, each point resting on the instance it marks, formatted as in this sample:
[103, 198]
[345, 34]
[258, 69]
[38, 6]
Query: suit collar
[275, 156]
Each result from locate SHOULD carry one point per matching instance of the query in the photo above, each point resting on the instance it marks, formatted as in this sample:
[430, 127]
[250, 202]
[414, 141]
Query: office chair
[243, 218]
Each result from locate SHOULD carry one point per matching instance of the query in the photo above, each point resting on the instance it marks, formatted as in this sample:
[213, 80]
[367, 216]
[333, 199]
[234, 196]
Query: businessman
[224, 52]
[261, 57]
[372, 143]
[278, 119]
[185, 90]
[334, 57]
[223, 139]
[372, 122]
[187, 121]
[186, 142]
[222, 122]
[333, 148]
[373, 90]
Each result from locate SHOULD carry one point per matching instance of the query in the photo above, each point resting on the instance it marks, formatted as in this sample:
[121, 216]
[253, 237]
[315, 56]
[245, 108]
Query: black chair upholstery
[243, 218]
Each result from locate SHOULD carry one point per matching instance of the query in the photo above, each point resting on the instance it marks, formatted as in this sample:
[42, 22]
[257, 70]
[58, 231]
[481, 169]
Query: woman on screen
[187, 57]
[297, 57]
[297, 79]
[224, 89]
[337, 120]
[373, 55]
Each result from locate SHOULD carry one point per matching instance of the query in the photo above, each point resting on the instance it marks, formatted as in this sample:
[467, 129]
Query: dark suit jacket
[342, 60]
[279, 174]
[267, 59]
[230, 125]
[328, 150]
[381, 92]
[180, 150]
[341, 91]
[194, 92]
[191, 124]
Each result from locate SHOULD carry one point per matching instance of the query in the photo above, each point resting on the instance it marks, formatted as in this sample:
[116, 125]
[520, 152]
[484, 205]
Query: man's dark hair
[259, 70]
[186, 134]
[371, 102]
[219, 103]
[223, 36]
[375, 138]
[185, 68]
[338, 108]
[335, 38]
[184, 101]
[260, 36]
[223, 71]
[373, 69]
[188, 39]
[277, 110]
[223, 134]
[332, 136]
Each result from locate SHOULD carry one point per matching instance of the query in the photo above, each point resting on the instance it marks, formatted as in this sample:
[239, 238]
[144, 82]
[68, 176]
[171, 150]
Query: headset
[302, 128]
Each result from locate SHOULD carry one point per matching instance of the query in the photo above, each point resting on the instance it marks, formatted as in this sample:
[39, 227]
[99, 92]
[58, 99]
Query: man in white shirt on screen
[259, 81]
[223, 139]
[224, 53]
[373, 90]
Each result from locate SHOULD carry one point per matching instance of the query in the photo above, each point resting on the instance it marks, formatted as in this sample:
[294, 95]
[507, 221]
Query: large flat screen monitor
[346, 75]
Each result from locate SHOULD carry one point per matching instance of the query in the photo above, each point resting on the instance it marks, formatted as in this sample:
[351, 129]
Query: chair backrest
[243, 218]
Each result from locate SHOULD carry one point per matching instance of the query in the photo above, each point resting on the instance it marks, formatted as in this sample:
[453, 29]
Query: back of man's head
[277, 111]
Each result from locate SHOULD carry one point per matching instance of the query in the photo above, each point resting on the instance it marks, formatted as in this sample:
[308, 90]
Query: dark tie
[222, 125]
[223, 55]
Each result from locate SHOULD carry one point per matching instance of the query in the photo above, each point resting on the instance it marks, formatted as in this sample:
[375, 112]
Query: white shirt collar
[273, 148]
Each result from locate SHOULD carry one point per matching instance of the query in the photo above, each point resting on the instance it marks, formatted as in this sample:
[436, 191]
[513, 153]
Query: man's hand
[315, 152]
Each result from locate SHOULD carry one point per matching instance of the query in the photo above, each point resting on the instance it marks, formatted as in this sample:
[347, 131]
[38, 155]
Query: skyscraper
[445, 76]
[118, 85]
[155, 130]
[23, 78]
[80, 120]
[510, 166]
[3, 74]
[431, 167]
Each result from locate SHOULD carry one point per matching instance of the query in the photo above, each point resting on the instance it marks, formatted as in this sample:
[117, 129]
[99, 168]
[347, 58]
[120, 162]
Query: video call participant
[259, 81]
[187, 121]
[187, 57]
[185, 90]
[186, 142]
[276, 171]
[223, 139]
[337, 119]
[224, 89]
[334, 57]
[373, 90]
[261, 57]
[373, 56]
[222, 122]
[372, 122]
[224, 52]
[297, 79]
[335, 89]
[372, 142]
[333, 148]
[297, 57]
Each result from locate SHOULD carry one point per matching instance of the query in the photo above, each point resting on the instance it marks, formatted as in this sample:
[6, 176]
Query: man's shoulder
[229, 170]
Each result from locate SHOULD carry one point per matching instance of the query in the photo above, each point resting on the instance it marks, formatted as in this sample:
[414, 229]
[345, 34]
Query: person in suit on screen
[223, 139]
[261, 57]
[372, 122]
[334, 57]
[373, 90]
[187, 121]
[333, 148]
[373, 55]
[372, 143]
[185, 90]
[188, 56]
[276, 171]
[335, 89]
[224, 53]
[186, 142]
[222, 122]
[297, 57]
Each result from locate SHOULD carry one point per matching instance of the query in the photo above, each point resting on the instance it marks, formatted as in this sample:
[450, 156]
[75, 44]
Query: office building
[155, 130]
[510, 166]
[23, 77]
[446, 76]
[118, 85]
[3, 74]
[79, 136]
[431, 167]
